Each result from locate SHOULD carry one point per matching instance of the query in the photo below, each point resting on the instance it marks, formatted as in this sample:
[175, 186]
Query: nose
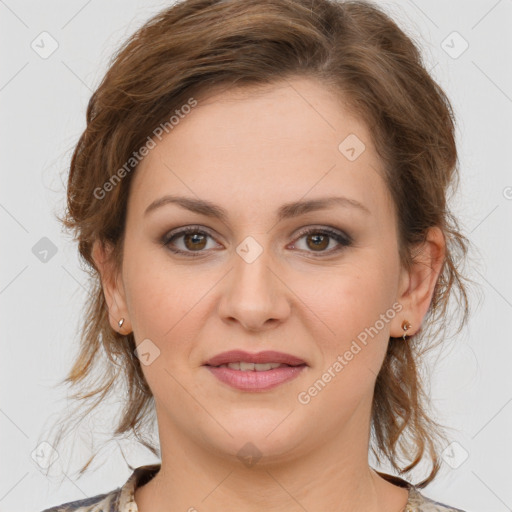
[254, 295]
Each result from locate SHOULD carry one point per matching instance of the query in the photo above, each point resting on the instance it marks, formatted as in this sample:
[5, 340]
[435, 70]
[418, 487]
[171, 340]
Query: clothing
[122, 498]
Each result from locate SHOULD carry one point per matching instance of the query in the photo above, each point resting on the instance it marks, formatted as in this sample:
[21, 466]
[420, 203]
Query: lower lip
[256, 381]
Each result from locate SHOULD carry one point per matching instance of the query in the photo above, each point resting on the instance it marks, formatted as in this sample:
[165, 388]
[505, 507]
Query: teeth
[259, 367]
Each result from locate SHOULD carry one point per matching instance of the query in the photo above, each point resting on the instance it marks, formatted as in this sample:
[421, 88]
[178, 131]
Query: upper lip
[267, 356]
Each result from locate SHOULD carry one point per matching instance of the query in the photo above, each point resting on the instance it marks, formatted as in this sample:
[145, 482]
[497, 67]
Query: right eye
[194, 241]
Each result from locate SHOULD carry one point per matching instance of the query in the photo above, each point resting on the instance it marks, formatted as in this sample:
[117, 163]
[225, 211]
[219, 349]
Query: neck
[331, 475]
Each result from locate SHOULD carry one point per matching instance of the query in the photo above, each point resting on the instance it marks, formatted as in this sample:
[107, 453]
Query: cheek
[160, 301]
[353, 304]
[158, 294]
[355, 309]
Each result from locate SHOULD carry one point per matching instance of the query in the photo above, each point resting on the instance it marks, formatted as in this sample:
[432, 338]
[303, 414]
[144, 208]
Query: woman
[260, 193]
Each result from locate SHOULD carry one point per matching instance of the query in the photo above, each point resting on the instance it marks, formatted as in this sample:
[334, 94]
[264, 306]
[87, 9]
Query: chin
[265, 440]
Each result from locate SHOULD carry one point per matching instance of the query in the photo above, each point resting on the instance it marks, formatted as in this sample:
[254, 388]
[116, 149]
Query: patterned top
[122, 498]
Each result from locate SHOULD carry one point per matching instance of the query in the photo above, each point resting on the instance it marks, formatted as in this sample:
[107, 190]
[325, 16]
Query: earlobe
[112, 287]
[418, 283]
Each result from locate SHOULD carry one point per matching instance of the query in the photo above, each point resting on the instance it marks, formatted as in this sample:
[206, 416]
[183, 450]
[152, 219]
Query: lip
[267, 356]
[256, 381]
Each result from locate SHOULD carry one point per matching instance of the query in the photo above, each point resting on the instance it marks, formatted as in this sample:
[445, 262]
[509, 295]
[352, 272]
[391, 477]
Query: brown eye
[318, 241]
[194, 241]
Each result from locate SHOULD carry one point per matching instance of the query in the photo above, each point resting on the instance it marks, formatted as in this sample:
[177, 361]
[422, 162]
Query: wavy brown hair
[357, 51]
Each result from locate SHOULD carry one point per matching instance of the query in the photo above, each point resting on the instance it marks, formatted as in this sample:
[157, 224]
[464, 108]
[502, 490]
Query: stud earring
[405, 326]
[120, 323]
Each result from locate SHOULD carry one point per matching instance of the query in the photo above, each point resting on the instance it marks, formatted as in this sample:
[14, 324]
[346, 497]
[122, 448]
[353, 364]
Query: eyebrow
[286, 211]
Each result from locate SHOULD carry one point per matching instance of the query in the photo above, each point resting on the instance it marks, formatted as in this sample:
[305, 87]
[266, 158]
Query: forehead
[249, 148]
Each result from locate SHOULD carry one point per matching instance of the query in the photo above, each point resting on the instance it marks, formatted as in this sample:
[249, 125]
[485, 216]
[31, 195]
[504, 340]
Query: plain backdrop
[44, 90]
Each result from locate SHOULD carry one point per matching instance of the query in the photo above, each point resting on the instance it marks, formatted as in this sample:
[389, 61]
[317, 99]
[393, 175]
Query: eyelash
[343, 239]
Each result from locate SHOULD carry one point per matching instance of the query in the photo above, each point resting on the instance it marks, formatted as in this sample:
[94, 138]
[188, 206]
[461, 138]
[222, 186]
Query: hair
[356, 50]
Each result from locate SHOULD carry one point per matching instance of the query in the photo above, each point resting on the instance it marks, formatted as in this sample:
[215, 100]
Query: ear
[416, 286]
[112, 285]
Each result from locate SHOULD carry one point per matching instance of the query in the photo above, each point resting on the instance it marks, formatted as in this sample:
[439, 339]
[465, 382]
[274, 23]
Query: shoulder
[420, 503]
[106, 502]
[118, 500]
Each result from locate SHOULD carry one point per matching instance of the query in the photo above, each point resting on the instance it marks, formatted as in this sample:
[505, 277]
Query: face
[323, 284]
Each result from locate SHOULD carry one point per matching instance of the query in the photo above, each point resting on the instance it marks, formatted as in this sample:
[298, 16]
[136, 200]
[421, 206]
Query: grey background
[43, 102]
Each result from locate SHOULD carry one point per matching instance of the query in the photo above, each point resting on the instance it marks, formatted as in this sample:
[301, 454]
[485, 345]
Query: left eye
[195, 240]
[320, 239]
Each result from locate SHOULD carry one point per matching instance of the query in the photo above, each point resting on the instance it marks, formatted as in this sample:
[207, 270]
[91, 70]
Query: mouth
[255, 372]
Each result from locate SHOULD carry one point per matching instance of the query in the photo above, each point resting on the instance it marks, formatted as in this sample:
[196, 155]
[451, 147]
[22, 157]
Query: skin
[250, 151]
